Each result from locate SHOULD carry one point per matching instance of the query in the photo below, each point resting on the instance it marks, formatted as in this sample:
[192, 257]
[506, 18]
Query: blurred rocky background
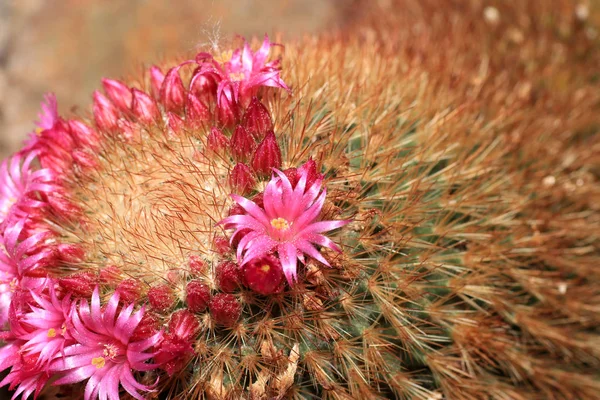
[67, 46]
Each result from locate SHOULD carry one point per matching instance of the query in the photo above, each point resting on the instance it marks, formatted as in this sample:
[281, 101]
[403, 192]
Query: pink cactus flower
[18, 185]
[49, 114]
[288, 223]
[18, 259]
[104, 353]
[49, 321]
[240, 74]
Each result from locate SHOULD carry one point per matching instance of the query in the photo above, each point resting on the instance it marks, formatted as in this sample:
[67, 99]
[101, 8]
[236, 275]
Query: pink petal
[287, 255]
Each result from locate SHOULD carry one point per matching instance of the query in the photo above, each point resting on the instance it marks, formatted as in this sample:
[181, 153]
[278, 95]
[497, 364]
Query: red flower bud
[129, 290]
[197, 296]
[225, 309]
[156, 80]
[197, 265]
[267, 155]
[184, 325]
[312, 175]
[105, 113]
[85, 159]
[196, 111]
[161, 298]
[259, 200]
[221, 245]
[236, 209]
[118, 93]
[242, 144]
[81, 284]
[264, 275]
[174, 122]
[172, 92]
[257, 119]
[217, 142]
[83, 134]
[70, 253]
[203, 85]
[147, 327]
[227, 111]
[241, 179]
[127, 130]
[228, 276]
[110, 275]
[292, 175]
[144, 107]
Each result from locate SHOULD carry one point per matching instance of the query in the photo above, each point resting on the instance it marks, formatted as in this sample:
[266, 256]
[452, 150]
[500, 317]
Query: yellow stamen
[224, 56]
[51, 333]
[63, 329]
[236, 76]
[265, 268]
[280, 224]
[38, 131]
[98, 362]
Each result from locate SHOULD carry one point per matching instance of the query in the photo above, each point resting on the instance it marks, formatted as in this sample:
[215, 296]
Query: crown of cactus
[372, 232]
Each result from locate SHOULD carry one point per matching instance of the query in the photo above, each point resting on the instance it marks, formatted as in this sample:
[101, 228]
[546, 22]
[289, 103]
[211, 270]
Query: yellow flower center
[236, 76]
[265, 268]
[63, 329]
[110, 351]
[98, 362]
[280, 224]
[51, 333]
[224, 56]
[39, 130]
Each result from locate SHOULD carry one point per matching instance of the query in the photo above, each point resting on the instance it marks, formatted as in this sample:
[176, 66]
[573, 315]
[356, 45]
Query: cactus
[346, 219]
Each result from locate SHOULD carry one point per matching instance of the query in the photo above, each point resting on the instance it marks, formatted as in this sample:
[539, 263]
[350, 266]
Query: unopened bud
[257, 119]
[217, 142]
[242, 144]
[197, 296]
[228, 276]
[197, 265]
[241, 179]
[184, 325]
[225, 309]
[156, 81]
[172, 92]
[267, 155]
[81, 284]
[129, 290]
[118, 93]
[161, 298]
[196, 111]
[105, 113]
[144, 107]
[175, 122]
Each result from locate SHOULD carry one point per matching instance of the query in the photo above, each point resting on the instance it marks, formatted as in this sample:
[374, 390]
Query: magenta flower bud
[203, 85]
[197, 265]
[184, 325]
[156, 81]
[257, 119]
[292, 175]
[105, 113]
[225, 309]
[241, 179]
[172, 92]
[110, 275]
[175, 122]
[227, 111]
[242, 144]
[129, 290]
[217, 142]
[70, 253]
[81, 284]
[221, 245]
[264, 275]
[127, 129]
[144, 107]
[196, 111]
[312, 174]
[118, 93]
[267, 155]
[197, 296]
[84, 135]
[161, 298]
[228, 276]
[147, 327]
[85, 159]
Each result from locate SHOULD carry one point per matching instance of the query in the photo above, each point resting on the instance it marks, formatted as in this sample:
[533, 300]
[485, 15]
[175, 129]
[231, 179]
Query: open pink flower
[20, 186]
[48, 322]
[104, 353]
[288, 223]
[18, 259]
[239, 75]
